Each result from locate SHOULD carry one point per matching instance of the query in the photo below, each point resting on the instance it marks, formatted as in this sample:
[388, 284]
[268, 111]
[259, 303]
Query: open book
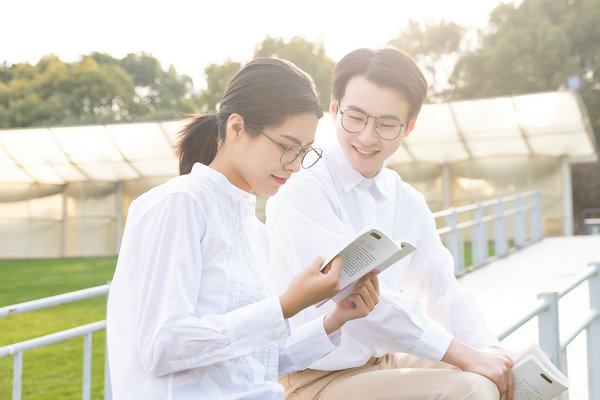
[535, 377]
[370, 250]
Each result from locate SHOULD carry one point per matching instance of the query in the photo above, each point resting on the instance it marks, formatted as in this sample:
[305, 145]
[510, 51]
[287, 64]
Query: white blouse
[422, 306]
[191, 314]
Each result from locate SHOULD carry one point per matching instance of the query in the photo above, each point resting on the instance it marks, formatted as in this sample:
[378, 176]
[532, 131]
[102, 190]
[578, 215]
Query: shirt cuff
[309, 343]
[433, 343]
[259, 323]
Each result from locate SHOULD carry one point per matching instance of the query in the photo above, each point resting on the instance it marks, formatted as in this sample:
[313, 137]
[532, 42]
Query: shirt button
[274, 336]
[308, 362]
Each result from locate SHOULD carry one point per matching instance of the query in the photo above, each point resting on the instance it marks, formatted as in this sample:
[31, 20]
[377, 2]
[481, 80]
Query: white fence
[505, 219]
[17, 349]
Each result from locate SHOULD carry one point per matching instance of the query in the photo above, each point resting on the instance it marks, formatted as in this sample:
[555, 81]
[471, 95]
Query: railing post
[17, 374]
[107, 384]
[499, 228]
[462, 262]
[548, 333]
[452, 221]
[87, 367]
[593, 337]
[477, 242]
[536, 218]
[519, 221]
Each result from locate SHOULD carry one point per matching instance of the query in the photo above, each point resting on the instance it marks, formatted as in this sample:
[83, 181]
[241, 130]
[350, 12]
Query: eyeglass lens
[309, 157]
[354, 121]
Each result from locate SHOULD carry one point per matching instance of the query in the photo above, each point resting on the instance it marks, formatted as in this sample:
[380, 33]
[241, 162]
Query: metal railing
[546, 310]
[469, 227]
[17, 349]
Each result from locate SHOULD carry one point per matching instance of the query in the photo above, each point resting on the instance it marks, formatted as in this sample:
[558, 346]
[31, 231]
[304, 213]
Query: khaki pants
[393, 376]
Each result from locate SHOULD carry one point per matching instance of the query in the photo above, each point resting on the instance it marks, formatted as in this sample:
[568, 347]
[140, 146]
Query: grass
[468, 253]
[55, 371]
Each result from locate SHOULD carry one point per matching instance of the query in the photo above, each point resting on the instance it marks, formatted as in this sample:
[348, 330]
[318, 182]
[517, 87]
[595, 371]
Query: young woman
[191, 314]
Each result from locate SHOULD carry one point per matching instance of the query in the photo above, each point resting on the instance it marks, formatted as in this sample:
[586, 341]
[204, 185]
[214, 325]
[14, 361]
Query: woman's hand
[311, 286]
[361, 302]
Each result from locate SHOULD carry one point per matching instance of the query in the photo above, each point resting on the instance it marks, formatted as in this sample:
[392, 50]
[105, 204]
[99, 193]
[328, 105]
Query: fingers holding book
[359, 304]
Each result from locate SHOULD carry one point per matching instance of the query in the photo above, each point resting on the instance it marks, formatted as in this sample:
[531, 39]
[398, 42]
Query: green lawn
[55, 371]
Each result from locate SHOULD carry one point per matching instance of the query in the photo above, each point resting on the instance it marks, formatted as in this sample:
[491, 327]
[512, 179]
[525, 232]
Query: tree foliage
[536, 47]
[308, 56]
[96, 89]
[434, 47]
[217, 77]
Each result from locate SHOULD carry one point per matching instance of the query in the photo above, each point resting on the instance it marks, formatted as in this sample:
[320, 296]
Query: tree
[158, 92]
[308, 56]
[435, 47]
[96, 89]
[217, 77]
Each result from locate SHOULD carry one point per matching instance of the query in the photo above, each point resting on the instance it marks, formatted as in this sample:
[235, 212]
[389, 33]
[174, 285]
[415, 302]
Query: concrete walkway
[507, 288]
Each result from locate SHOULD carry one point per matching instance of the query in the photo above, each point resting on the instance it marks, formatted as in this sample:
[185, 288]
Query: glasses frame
[403, 125]
[302, 152]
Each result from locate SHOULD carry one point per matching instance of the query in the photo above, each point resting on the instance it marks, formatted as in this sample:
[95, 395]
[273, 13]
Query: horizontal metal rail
[53, 301]
[52, 338]
[540, 306]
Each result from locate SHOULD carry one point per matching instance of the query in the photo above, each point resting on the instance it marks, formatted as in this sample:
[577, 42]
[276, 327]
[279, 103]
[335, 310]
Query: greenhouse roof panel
[550, 124]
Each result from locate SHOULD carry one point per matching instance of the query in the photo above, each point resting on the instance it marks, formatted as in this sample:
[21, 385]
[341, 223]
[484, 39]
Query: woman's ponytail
[198, 142]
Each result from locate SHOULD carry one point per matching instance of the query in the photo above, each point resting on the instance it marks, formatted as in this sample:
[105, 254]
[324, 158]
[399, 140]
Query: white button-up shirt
[421, 306]
[191, 314]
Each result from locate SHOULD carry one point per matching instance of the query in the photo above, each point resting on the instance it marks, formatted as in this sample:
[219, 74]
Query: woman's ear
[411, 126]
[235, 127]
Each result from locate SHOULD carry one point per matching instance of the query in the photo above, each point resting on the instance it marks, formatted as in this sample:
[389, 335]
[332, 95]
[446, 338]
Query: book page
[370, 250]
[533, 382]
[361, 255]
[535, 351]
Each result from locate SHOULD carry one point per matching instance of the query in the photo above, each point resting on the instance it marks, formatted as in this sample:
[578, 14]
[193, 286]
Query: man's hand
[493, 363]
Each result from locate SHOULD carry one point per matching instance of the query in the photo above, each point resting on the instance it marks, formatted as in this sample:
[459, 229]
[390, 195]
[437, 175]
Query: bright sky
[191, 34]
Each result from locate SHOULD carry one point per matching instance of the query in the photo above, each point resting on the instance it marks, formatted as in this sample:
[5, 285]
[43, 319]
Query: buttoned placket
[367, 202]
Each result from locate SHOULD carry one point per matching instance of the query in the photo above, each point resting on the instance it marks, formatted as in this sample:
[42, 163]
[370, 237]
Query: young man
[426, 339]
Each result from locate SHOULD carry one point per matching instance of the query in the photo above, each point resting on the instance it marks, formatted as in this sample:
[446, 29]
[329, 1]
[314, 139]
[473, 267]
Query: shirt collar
[349, 178]
[235, 192]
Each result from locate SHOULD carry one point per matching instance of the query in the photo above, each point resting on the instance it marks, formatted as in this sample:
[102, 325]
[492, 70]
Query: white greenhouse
[65, 191]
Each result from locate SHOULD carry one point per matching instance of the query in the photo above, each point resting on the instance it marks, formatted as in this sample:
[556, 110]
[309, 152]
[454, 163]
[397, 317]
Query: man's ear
[235, 127]
[411, 125]
[333, 107]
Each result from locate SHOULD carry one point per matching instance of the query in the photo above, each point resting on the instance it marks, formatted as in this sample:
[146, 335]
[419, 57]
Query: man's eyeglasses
[387, 127]
[308, 156]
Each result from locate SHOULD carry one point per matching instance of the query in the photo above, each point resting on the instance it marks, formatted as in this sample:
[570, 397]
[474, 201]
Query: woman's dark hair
[265, 92]
[386, 67]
